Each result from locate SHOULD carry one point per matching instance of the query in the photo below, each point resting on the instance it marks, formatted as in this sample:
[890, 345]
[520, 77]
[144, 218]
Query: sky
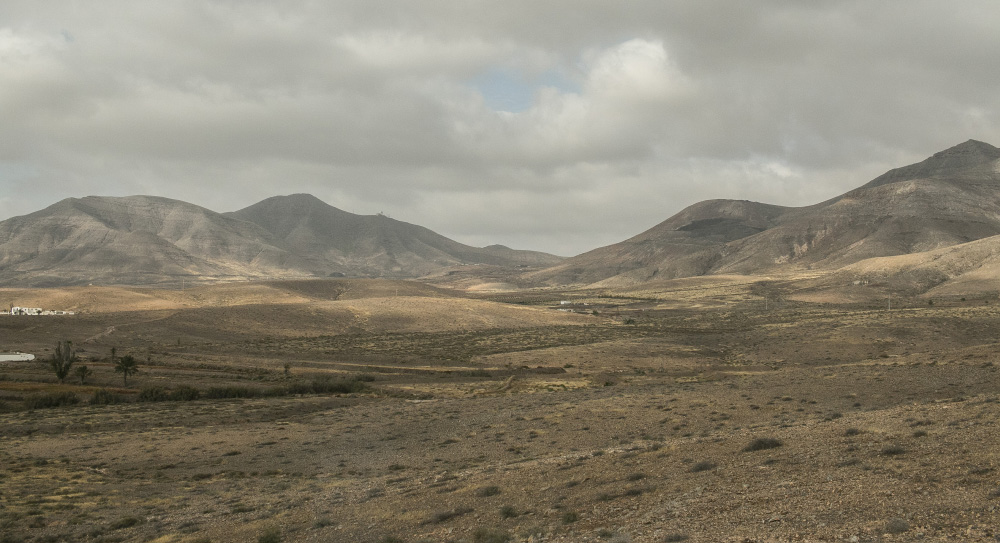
[558, 126]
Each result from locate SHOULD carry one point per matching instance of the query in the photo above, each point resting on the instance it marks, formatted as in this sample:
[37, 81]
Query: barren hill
[338, 242]
[137, 239]
[967, 269]
[951, 198]
[149, 240]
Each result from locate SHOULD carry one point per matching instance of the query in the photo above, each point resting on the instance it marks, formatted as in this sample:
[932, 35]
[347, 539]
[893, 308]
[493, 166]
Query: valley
[693, 411]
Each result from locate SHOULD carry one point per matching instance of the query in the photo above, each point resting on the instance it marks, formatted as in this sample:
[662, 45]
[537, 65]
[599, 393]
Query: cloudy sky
[550, 125]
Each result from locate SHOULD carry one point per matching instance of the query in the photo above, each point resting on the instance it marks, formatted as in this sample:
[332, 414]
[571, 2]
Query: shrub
[330, 385]
[219, 393]
[704, 465]
[125, 522]
[893, 450]
[673, 538]
[184, 394]
[486, 535]
[448, 515]
[762, 443]
[508, 511]
[270, 535]
[52, 399]
[897, 526]
[570, 517]
[153, 394]
[104, 396]
[488, 491]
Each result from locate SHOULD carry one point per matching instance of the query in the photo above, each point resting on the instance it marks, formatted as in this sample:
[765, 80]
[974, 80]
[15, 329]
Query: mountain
[335, 241]
[146, 239]
[953, 197]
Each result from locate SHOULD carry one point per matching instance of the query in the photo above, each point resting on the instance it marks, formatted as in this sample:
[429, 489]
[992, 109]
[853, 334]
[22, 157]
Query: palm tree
[126, 366]
[62, 360]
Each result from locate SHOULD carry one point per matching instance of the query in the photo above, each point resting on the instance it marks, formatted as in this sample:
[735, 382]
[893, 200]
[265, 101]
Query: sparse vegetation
[549, 453]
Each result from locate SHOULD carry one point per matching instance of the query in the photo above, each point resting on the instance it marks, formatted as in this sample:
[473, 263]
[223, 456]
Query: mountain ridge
[950, 198]
[151, 239]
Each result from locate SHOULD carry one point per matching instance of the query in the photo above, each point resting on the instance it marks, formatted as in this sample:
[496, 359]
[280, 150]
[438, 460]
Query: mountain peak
[299, 200]
[970, 148]
[968, 161]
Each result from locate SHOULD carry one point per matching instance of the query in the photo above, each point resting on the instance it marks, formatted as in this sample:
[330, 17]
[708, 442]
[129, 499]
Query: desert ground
[703, 410]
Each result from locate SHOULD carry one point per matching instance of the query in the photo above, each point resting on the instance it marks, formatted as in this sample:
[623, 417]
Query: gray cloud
[380, 106]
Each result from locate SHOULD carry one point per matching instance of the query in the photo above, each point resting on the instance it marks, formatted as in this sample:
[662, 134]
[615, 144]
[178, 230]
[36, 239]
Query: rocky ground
[801, 422]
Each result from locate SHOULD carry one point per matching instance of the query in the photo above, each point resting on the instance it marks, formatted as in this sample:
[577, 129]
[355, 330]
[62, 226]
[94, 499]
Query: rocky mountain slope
[951, 198]
[335, 240]
[146, 240]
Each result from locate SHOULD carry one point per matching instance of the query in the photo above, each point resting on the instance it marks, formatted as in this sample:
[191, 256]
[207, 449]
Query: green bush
[52, 399]
[104, 396]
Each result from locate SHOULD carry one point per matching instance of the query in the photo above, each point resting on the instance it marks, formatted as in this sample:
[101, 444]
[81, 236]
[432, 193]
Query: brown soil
[482, 421]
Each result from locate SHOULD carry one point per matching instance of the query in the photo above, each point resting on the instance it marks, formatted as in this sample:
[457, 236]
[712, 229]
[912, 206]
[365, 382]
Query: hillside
[132, 240]
[951, 198]
[333, 241]
[152, 240]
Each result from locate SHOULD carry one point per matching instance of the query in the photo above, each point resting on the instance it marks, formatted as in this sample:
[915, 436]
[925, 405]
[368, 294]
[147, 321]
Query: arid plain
[724, 408]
